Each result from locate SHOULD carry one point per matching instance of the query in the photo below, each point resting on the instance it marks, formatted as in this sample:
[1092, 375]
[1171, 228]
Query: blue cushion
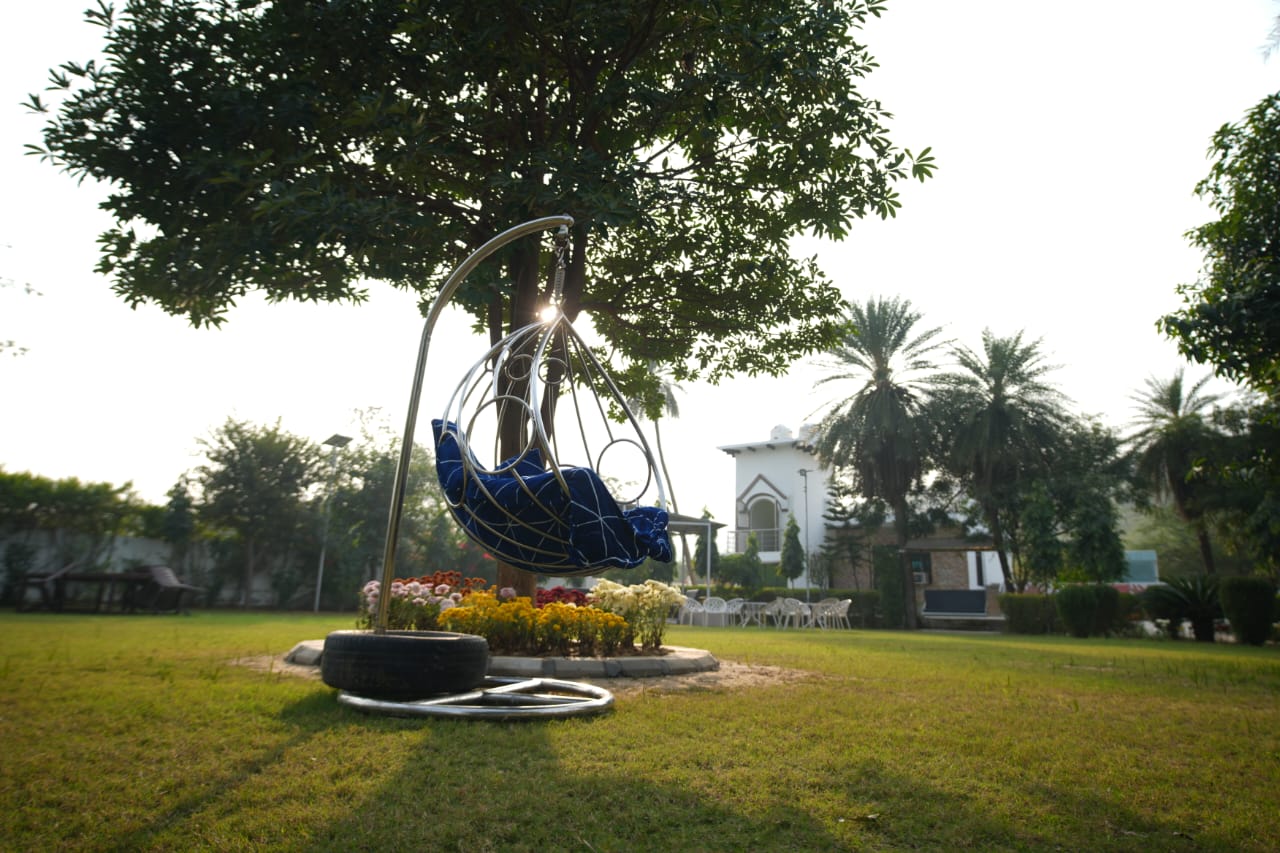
[525, 518]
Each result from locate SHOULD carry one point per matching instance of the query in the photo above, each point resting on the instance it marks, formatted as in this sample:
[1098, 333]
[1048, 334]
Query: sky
[1068, 148]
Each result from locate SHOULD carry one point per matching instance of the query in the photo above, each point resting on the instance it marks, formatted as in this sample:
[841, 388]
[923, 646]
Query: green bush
[1191, 598]
[1250, 606]
[887, 568]
[1128, 614]
[864, 609]
[1027, 613]
[1078, 609]
[1104, 618]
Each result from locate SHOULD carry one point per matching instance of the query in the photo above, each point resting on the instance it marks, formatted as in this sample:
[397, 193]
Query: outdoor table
[106, 583]
[753, 612]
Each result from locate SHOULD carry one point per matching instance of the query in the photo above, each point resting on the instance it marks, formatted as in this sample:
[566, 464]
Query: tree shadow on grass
[1081, 818]
[307, 717]
[445, 784]
[514, 792]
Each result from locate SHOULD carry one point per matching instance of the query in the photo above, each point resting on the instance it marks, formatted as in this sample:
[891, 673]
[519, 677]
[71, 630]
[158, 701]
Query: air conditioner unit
[919, 577]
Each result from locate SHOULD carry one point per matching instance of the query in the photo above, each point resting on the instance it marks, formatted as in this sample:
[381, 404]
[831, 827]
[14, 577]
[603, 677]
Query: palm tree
[1172, 437]
[1000, 421]
[880, 434]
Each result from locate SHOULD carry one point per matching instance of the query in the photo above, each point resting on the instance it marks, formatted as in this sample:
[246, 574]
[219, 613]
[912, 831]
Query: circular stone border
[677, 660]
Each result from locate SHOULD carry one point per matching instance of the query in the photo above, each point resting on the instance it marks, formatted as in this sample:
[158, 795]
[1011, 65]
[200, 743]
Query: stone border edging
[677, 661]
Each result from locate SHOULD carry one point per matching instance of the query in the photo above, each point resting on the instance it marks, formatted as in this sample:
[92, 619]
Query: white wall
[775, 472]
[991, 573]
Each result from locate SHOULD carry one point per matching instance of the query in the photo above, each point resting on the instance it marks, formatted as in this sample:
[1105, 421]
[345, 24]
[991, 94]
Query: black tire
[401, 666]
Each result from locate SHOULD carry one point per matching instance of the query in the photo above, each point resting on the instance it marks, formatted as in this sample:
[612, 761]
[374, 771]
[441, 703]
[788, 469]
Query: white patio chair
[717, 607]
[839, 616]
[776, 610]
[733, 607]
[796, 612]
[821, 613]
[689, 609]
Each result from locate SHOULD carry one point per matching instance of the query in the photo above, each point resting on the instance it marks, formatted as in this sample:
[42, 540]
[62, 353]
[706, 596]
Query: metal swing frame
[549, 338]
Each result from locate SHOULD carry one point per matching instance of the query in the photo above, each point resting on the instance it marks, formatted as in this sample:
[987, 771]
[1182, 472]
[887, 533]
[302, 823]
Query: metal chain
[562, 244]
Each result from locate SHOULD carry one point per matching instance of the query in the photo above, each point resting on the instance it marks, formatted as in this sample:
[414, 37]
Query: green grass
[140, 733]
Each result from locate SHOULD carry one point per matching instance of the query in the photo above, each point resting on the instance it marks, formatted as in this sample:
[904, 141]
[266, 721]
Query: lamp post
[335, 442]
[804, 474]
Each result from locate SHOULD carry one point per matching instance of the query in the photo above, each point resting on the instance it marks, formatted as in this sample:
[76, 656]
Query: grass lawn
[141, 733]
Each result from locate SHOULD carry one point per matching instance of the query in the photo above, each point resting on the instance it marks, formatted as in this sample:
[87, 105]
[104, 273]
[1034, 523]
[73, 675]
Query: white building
[773, 480]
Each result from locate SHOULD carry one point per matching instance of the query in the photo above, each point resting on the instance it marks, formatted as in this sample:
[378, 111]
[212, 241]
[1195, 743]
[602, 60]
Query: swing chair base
[497, 698]
[402, 666]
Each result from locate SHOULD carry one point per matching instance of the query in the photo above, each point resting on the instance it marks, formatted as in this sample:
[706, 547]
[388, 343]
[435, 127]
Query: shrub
[645, 607]
[1104, 618]
[1192, 598]
[864, 607]
[415, 603]
[1028, 613]
[1250, 606]
[1128, 614]
[560, 594]
[887, 568]
[1078, 609]
[558, 628]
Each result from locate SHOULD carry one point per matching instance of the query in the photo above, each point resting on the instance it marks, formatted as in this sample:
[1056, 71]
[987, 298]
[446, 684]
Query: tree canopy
[1231, 318]
[254, 482]
[299, 149]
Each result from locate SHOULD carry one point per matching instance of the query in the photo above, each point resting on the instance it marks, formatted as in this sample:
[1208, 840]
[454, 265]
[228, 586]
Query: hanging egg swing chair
[545, 467]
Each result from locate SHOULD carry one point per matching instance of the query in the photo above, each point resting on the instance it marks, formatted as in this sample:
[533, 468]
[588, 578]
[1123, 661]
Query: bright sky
[1068, 147]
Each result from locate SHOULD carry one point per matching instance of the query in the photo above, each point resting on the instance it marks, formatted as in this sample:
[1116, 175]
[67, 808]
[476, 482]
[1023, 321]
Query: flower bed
[606, 622]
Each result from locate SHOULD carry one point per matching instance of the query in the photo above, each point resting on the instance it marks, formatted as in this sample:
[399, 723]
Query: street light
[804, 473]
[336, 442]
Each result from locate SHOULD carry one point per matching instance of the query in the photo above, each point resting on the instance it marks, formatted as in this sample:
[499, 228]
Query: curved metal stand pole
[406, 449]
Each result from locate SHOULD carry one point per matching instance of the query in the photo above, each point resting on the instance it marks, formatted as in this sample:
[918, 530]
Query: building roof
[780, 437]
[689, 524]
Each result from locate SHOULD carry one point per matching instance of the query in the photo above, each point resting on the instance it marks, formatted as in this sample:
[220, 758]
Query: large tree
[850, 521]
[254, 483]
[1000, 421]
[1231, 319]
[299, 148]
[360, 492]
[1174, 436]
[881, 434]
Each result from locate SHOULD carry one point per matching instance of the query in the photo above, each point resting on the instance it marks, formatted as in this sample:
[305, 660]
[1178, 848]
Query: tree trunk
[247, 581]
[997, 540]
[1206, 551]
[513, 426]
[901, 522]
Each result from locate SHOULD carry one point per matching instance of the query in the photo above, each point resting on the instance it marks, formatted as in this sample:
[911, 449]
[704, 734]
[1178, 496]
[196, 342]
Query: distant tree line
[257, 507]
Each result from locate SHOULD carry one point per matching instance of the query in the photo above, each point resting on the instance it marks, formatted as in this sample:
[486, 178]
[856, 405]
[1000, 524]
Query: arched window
[763, 519]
